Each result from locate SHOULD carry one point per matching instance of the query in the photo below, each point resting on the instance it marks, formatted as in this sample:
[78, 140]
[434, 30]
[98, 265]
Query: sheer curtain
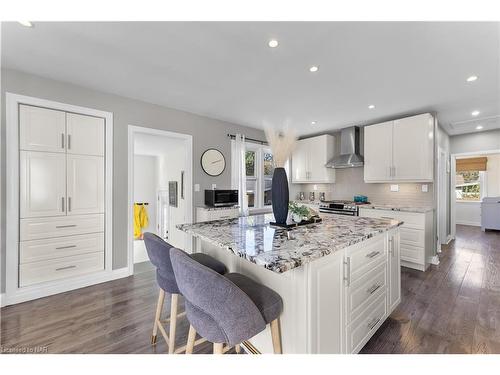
[238, 172]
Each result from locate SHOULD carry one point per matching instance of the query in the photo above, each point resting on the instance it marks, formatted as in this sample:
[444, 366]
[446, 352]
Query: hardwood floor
[451, 308]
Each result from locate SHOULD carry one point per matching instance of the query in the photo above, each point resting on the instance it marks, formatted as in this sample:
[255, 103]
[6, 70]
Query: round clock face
[213, 162]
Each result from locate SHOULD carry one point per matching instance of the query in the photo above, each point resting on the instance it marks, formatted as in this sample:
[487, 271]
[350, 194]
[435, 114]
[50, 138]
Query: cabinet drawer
[414, 237]
[49, 227]
[363, 259]
[364, 291]
[360, 330]
[48, 270]
[54, 248]
[410, 253]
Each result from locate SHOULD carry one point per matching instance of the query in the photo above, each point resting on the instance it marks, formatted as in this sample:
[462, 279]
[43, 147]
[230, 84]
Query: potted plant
[282, 145]
[299, 212]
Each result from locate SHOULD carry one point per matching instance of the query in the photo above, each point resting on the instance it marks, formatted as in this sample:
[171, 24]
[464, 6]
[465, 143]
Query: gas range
[341, 207]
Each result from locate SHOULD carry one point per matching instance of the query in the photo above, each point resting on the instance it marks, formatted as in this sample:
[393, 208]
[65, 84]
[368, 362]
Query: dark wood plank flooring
[452, 308]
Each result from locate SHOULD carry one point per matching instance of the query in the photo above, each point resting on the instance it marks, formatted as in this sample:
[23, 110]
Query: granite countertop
[254, 239]
[395, 207]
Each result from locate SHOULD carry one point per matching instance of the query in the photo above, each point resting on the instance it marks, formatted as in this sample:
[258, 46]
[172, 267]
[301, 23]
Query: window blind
[472, 164]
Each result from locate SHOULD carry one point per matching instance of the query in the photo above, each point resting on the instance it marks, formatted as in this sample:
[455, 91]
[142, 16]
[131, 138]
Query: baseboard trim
[470, 223]
[2, 299]
[61, 286]
[434, 260]
[449, 239]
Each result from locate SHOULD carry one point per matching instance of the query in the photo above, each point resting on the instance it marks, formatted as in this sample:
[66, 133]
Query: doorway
[159, 190]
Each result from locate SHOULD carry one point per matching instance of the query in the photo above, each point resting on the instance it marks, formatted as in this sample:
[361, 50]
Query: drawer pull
[66, 226]
[373, 289]
[372, 323]
[391, 246]
[373, 254]
[65, 268]
[347, 276]
[65, 247]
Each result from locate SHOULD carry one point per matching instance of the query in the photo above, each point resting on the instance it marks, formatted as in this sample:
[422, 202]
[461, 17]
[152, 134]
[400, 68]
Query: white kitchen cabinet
[219, 213]
[394, 294]
[41, 129]
[85, 135]
[378, 152]
[309, 159]
[85, 184]
[413, 148]
[42, 184]
[400, 150]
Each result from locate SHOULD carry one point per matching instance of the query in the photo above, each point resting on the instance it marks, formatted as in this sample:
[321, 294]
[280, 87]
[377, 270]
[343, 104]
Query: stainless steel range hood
[349, 150]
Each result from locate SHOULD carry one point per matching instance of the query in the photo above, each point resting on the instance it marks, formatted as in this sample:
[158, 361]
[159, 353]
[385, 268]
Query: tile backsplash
[350, 182]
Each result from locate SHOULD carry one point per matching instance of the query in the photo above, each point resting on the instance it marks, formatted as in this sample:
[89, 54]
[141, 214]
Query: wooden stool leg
[218, 348]
[173, 323]
[159, 307]
[190, 341]
[237, 348]
[276, 336]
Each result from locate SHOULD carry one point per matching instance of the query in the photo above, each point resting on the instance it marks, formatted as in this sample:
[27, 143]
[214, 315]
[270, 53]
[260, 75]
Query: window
[259, 167]
[469, 186]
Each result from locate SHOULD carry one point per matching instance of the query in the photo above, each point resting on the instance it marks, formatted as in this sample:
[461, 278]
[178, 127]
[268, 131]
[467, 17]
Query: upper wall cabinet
[42, 129]
[400, 150]
[309, 159]
[85, 135]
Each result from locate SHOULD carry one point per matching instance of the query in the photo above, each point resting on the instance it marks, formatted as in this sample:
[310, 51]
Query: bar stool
[159, 254]
[225, 309]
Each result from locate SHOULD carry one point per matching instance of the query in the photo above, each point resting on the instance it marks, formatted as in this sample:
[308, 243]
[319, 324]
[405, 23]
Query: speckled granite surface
[392, 207]
[254, 239]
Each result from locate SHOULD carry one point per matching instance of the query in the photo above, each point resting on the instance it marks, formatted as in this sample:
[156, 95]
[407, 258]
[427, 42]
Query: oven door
[338, 212]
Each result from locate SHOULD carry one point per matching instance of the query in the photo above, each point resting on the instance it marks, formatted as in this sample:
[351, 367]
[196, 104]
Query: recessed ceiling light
[371, 106]
[479, 127]
[314, 69]
[313, 122]
[475, 113]
[26, 23]
[273, 43]
[471, 78]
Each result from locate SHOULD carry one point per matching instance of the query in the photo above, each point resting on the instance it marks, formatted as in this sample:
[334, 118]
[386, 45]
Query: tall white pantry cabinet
[61, 194]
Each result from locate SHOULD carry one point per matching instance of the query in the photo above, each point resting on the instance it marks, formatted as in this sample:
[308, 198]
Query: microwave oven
[221, 198]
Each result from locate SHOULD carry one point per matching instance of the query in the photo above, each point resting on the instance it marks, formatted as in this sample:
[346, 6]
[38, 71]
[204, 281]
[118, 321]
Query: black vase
[280, 195]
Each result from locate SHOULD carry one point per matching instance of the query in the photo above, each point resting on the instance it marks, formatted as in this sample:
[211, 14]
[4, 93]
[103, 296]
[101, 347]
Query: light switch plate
[394, 187]
[196, 187]
[425, 188]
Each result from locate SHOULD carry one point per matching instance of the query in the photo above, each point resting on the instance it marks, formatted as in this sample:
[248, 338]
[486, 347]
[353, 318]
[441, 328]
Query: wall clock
[213, 162]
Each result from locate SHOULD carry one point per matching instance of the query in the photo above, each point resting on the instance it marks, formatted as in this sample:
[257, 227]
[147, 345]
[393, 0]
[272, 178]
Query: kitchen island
[339, 279]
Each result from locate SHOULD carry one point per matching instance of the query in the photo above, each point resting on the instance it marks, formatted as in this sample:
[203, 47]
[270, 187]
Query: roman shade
[472, 164]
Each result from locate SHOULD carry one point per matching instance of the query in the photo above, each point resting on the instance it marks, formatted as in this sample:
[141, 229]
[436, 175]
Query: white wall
[468, 213]
[493, 176]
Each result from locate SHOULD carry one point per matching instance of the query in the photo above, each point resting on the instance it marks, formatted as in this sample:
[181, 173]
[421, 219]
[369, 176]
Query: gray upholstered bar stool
[159, 254]
[226, 309]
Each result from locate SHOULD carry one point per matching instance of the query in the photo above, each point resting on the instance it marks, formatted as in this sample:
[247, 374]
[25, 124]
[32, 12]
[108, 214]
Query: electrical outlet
[425, 188]
[394, 187]
[196, 187]
[214, 186]
[315, 187]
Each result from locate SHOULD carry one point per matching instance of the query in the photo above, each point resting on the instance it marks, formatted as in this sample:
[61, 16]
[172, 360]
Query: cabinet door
[85, 134]
[42, 184]
[41, 129]
[378, 152]
[85, 179]
[320, 152]
[300, 171]
[413, 150]
[394, 271]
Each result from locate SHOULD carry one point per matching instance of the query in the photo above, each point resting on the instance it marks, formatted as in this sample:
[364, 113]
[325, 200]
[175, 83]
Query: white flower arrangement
[282, 145]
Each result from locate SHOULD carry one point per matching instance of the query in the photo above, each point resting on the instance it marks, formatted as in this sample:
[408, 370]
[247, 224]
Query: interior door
[85, 134]
[413, 145]
[378, 152]
[42, 184]
[85, 180]
[300, 165]
[41, 129]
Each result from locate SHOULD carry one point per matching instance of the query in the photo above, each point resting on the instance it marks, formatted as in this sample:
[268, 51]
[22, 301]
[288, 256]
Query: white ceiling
[225, 70]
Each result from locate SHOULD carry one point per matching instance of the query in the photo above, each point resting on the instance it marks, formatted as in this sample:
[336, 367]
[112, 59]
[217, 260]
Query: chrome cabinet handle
[372, 323]
[347, 276]
[65, 268]
[62, 140]
[62, 204]
[373, 289]
[66, 226]
[393, 171]
[390, 171]
[65, 247]
[69, 141]
[69, 204]
[373, 254]
[391, 246]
